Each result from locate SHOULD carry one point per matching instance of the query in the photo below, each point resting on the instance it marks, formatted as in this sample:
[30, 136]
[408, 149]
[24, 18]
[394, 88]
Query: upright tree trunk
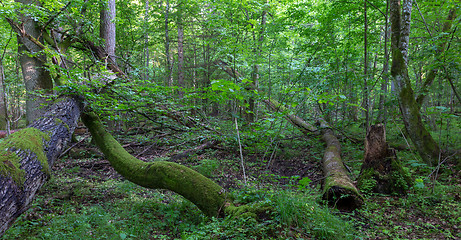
[107, 28]
[365, 69]
[382, 97]
[168, 66]
[180, 55]
[3, 100]
[36, 77]
[146, 39]
[427, 148]
[107, 32]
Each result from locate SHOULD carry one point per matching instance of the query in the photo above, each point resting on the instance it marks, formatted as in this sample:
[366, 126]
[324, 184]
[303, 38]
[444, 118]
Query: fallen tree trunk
[27, 155]
[338, 189]
[203, 192]
[208, 196]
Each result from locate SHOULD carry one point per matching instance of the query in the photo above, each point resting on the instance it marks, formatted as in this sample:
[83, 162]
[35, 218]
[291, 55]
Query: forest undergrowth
[87, 199]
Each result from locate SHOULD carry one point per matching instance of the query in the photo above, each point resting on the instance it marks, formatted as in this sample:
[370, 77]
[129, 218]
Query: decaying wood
[58, 124]
[381, 170]
[338, 188]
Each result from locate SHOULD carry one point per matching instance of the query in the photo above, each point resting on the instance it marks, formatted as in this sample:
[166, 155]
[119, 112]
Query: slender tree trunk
[36, 77]
[365, 69]
[168, 67]
[107, 28]
[3, 100]
[427, 148]
[180, 55]
[382, 112]
[146, 39]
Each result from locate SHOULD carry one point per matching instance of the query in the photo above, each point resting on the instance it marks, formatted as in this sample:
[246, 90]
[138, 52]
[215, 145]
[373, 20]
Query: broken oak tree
[381, 170]
[27, 156]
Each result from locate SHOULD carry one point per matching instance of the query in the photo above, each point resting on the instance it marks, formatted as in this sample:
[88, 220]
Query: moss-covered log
[338, 189]
[381, 170]
[206, 194]
[27, 155]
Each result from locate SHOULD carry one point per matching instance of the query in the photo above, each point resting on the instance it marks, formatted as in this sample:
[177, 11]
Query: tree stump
[381, 171]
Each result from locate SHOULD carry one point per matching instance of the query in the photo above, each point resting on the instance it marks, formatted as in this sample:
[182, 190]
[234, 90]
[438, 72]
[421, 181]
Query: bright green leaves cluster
[227, 90]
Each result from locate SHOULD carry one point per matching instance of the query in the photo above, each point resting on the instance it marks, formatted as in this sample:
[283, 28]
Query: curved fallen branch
[203, 192]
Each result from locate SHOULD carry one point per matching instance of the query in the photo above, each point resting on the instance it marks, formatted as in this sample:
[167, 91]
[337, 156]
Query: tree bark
[382, 116]
[168, 66]
[381, 171]
[338, 189]
[36, 77]
[365, 68]
[27, 155]
[146, 38]
[107, 28]
[180, 54]
[427, 148]
[3, 100]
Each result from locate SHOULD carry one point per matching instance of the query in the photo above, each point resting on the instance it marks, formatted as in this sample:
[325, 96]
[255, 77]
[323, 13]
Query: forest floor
[87, 199]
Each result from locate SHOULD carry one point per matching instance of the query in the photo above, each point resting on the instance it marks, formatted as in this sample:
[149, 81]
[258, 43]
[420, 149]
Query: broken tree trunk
[381, 170]
[27, 155]
[338, 189]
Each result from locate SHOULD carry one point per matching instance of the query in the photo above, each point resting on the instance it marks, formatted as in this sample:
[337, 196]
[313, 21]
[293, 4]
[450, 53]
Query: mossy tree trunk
[338, 188]
[427, 148]
[27, 155]
[381, 170]
[203, 192]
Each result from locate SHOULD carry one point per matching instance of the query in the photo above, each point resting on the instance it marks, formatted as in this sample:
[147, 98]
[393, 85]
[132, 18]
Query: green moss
[400, 179]
[60, 122]
[28, 139]
[203, 192]
[396, 181]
